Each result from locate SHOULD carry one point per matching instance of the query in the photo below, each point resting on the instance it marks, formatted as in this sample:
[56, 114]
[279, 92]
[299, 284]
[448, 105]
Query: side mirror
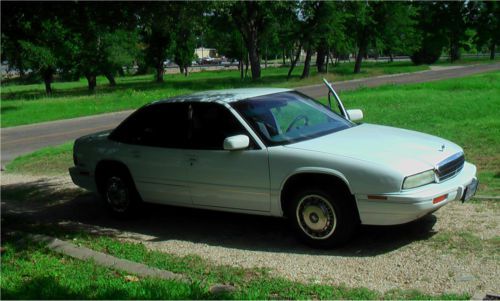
[355, 114]
[236, 142]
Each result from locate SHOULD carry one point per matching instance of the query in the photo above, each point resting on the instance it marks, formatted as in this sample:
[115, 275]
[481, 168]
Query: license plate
[470, 190]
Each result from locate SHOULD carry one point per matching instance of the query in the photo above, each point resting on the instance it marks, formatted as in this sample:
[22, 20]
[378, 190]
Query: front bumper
[82, 177]
[403, 207]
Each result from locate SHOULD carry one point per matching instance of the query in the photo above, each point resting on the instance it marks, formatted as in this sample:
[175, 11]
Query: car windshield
[288, 117]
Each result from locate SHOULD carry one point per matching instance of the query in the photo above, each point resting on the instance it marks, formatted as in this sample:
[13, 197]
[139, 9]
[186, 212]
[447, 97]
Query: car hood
[404, 150]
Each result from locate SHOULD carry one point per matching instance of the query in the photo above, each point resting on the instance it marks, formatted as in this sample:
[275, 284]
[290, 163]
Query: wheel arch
[327, 178]
[104, 167]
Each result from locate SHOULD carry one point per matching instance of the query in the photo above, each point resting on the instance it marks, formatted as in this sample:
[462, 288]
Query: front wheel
[321, 218]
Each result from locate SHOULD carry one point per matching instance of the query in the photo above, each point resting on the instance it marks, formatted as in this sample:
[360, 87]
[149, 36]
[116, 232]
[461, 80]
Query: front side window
[211, 123]
[289, 117]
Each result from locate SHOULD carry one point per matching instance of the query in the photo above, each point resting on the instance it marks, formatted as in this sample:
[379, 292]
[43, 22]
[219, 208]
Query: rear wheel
[321, 218]
[120, 195]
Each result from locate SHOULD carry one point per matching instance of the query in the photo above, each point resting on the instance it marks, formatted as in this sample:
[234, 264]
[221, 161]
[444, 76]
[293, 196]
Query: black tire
[322, 219]
[119, 194]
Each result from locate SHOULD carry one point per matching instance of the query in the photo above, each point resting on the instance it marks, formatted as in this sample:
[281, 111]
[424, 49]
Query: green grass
[468, 61]
[30, 271]
[27, 104]
[45, 161]
[463, 110]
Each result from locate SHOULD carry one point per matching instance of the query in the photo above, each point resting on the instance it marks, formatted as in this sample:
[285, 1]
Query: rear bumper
[81, 177]
[400, 208]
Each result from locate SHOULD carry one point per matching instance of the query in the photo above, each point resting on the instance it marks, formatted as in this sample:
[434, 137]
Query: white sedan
[273, 152]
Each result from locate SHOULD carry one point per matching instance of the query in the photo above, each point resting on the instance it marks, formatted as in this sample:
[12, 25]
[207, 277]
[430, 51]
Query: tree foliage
[74, 39]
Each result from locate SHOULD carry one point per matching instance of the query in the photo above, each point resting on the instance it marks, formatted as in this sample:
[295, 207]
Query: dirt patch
[456, 250]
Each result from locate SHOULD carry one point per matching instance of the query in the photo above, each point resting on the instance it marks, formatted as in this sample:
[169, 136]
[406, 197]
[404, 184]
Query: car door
[221, 178]
[152, 149]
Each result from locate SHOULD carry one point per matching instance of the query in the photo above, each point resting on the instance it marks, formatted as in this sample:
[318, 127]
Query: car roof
[229, 95]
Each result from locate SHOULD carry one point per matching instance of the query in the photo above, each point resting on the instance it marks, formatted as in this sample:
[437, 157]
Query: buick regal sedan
[273, 152]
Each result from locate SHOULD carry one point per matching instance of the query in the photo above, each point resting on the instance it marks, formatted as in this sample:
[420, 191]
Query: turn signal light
[439, 199]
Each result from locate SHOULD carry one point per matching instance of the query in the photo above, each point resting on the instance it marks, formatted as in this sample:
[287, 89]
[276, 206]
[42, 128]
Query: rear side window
[158, 125]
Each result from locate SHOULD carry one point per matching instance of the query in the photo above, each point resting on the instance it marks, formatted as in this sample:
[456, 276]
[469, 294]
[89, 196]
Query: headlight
[419, 179]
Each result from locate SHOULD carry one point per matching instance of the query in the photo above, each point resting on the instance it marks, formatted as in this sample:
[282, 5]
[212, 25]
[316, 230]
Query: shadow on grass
[163, 223]
[5, 109]
[194, 83]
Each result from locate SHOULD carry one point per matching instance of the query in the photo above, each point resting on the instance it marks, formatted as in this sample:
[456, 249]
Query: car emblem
[442, 148]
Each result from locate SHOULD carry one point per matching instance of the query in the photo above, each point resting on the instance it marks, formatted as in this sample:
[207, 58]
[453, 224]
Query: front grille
[450, 167]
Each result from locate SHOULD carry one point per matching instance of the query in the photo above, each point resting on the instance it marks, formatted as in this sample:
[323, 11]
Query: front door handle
[192, 160]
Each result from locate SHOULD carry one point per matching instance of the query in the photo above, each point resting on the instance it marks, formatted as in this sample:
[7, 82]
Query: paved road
[23, 139]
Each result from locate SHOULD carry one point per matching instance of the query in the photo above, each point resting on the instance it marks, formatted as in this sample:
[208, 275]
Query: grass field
[30, 271]
[463, 110]
[26, 104]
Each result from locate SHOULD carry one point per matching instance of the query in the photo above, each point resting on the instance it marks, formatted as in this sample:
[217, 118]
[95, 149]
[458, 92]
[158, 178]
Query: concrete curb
[105, 260]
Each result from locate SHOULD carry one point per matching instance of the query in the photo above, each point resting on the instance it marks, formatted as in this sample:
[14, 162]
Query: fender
[276, 207]
[318, 170]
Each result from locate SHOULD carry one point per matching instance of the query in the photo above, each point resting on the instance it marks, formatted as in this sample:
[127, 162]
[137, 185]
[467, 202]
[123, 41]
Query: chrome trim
[451, 165]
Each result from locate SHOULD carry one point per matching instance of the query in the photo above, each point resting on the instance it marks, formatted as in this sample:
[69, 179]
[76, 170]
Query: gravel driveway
[457, 249]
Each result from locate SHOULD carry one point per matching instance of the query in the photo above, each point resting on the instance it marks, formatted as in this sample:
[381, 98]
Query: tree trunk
[294, 62]
[111, 78]
[240, 65]
[92, 81]
[47, 79]
[361, 53]
[454, 52]
[253, 55]
[320, 59]
[307, 63]
[327, 62]
[246, 66]
[186, 71]
[159, 72]
[265, 61]
[492, 51]
[391, 58]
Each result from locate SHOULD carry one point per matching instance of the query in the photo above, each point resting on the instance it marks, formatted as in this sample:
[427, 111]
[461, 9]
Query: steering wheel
[297, 119]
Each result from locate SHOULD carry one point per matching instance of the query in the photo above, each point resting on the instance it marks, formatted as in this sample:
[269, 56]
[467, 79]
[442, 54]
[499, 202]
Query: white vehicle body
[372, 161]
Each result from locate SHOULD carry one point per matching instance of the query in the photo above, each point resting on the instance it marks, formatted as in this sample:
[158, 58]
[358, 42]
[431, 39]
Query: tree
[105, 36]
[432, 38]
[223, 34]
[34, 39]
[188, 18]
[384, 25]
[399, 34]
[485, 20]
[362, 24]
[158, 34]
[455, 26]
[251, 19]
